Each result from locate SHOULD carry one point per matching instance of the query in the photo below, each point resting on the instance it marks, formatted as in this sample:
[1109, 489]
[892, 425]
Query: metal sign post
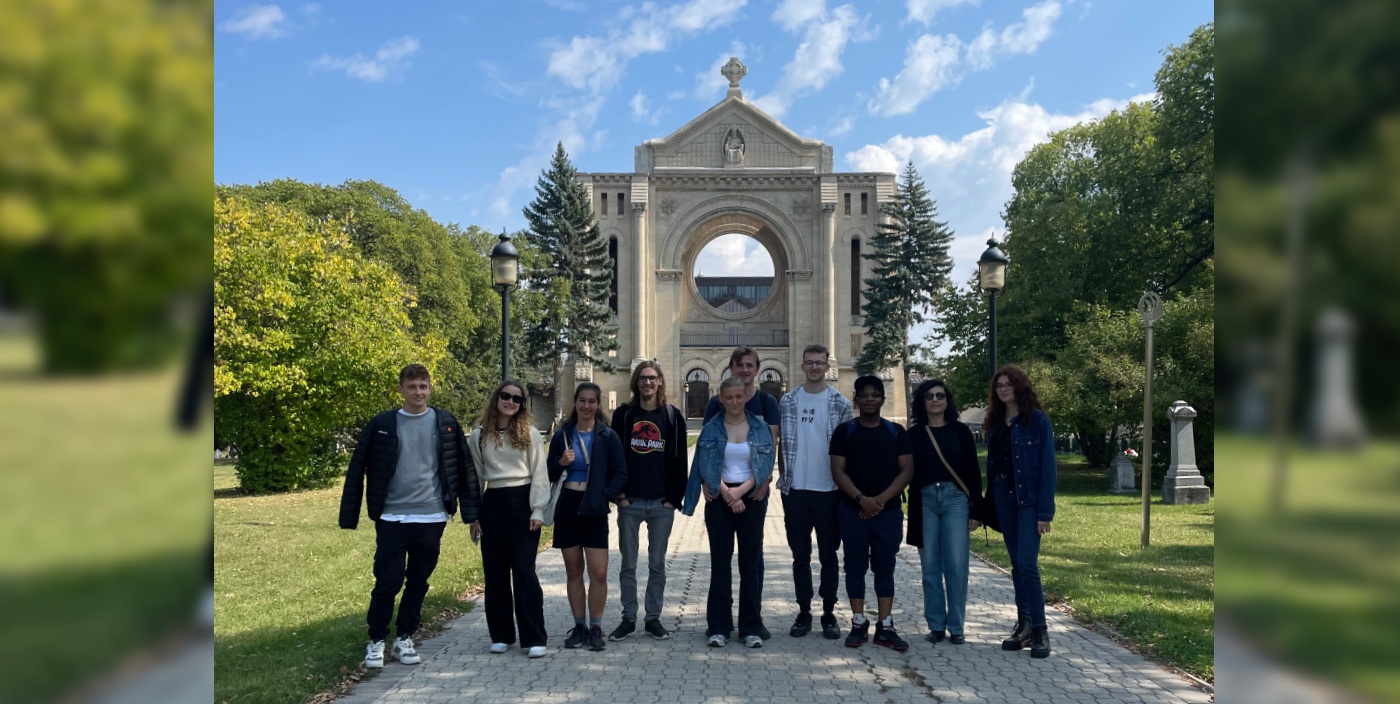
[1150, 308]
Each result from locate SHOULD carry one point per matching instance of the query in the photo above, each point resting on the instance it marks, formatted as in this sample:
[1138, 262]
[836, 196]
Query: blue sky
[459, 105]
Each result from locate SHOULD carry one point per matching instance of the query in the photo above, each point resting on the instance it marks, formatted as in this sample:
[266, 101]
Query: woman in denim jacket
[733, 462]
[1021, 490]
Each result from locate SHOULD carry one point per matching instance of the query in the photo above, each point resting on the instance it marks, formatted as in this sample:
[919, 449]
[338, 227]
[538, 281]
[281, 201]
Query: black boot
[1040, 642]
[1019, 638]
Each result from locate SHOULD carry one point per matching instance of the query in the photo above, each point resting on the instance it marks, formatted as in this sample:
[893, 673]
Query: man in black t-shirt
[871, 463]
[653, 440]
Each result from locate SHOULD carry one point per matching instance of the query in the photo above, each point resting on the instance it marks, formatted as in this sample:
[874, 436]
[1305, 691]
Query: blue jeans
[944, 556]
[659, 520]
[1018, 530]
[870, 544]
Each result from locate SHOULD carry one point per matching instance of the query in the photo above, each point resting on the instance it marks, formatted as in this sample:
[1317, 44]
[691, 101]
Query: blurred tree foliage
[309, 337]
[447, 268]
[1102, 212]
[106, 125]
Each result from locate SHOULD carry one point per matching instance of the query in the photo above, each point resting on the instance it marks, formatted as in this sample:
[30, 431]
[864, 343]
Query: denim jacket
[1032, 464]
[708, 466]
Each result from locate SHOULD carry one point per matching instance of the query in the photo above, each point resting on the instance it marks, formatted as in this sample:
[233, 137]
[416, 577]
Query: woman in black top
[944, 506]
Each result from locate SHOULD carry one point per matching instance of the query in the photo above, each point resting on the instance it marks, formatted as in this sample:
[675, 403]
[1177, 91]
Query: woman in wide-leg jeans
[941, 515]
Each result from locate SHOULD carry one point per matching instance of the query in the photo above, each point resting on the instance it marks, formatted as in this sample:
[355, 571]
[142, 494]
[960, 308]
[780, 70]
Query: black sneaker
[623, 630]
[803, 626]
[957, 638]
[934, 637]
[653, 627]
[885, 636]
[830, 630]
[595, 639]
[860, 633]
[577, 637]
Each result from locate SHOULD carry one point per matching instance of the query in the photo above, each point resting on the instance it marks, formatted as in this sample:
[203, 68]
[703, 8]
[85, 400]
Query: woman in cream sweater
[510, 462]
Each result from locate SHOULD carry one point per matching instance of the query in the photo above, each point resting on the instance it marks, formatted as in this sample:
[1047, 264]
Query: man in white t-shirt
[810, 413]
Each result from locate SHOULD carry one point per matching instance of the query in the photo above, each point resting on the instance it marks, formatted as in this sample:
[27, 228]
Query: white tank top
[737, 469]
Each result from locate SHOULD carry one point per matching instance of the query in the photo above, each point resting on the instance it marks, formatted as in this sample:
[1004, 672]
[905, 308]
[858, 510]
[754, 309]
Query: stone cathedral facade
[735, 169]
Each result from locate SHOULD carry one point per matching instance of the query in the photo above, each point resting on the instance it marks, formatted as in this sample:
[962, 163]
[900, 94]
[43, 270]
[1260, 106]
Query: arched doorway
[697, 393]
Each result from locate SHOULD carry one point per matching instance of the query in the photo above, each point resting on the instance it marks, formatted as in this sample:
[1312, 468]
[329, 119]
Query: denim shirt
[1032, 464]
[708, 466]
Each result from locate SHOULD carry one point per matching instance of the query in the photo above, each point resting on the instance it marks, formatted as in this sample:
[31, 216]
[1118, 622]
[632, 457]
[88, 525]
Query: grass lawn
[291, 589]
[105, 514]
[1317, 584]
[1161, 600]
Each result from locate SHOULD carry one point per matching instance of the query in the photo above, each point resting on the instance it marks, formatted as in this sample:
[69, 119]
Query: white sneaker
[498, 648]
[753, 642]
[538, 651]
[716, 641]
[404, 652]
[374, 654]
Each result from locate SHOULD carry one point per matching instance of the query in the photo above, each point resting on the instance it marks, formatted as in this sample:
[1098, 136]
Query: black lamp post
[991, 274]
[505, 272]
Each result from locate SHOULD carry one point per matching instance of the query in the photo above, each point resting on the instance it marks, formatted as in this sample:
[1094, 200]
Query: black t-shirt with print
[646, 453]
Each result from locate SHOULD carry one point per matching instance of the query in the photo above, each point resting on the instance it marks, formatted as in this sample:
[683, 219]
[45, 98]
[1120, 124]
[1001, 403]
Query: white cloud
[817, 59]
[310, 9]
[932, 63]
[1017, 38]
[596, 63]
[574, 128]
[923, 11]
[734, 255]
[929, 64]
[793, 14]
[257, 22]
[642, 110]
[391, 58]
[844, 126]
[969, 176]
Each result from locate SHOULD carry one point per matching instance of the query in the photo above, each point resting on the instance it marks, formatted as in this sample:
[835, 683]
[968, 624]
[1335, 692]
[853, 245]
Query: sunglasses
[508, 396]
[935, 396]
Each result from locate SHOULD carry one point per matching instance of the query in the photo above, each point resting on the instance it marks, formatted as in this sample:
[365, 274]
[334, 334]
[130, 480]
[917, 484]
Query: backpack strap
[851, 428]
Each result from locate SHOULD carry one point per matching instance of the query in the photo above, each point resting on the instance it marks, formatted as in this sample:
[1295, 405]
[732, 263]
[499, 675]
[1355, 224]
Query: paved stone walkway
[1084, 666]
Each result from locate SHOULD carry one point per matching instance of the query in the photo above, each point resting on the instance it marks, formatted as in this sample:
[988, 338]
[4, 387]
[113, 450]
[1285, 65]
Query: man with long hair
[654, 443]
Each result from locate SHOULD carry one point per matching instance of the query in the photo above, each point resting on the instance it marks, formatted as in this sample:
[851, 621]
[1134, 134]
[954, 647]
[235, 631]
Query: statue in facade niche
[734, 147]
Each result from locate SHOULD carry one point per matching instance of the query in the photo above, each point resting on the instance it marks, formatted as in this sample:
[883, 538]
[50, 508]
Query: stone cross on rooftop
[734, 71]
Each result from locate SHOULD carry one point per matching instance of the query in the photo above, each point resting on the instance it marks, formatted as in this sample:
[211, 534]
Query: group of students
[843, 477]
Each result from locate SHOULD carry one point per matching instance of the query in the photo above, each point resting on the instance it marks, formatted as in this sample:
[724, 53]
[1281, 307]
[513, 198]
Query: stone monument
[1336, 421]
[1183, 483]
[1122, 475]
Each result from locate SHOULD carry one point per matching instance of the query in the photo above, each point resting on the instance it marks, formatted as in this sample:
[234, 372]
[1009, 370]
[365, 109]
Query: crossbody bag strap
[951, 471]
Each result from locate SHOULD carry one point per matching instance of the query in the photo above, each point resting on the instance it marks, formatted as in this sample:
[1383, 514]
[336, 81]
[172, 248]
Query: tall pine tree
[911, 266]
[574, 269]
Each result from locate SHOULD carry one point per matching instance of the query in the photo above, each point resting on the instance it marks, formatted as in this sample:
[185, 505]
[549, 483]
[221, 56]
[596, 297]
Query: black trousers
[724, 527]
[402, 552]
[804, 512]
[508, 550]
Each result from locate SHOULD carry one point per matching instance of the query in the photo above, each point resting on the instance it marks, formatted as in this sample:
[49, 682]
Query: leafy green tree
[911, 265]
[574, 272]
[447, 268]
[308, 338]
[105, 157]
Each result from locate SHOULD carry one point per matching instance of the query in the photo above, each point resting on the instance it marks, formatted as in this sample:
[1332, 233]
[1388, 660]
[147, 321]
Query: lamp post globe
[505, 273]
[991, 276]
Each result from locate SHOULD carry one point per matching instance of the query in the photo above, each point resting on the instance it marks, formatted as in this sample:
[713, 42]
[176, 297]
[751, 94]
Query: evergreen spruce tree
[911, 267]
[574, 271]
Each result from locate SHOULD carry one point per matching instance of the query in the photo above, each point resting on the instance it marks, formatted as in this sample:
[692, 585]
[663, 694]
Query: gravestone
[1336, 420]
[1122, 475]
[1183, 483]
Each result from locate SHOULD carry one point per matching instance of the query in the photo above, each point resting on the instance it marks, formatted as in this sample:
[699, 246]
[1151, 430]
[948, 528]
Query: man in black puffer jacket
[416, 464]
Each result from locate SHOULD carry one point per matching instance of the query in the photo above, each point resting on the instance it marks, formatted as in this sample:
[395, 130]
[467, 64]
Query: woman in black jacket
[944, 506]
[587, 456]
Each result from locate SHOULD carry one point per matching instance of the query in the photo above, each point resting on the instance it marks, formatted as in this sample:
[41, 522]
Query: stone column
[667, 347]
[642, 280]
[1183, 483]
[1336, 420]
[829, 293]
